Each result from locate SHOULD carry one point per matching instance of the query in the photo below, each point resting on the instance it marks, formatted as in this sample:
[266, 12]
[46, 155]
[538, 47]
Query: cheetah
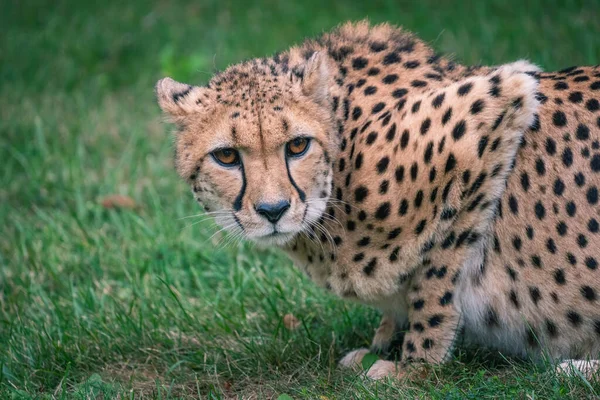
[460, 201]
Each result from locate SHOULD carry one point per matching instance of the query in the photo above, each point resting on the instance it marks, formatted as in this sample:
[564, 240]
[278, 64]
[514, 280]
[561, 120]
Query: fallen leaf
[291, 322]
[118, 201]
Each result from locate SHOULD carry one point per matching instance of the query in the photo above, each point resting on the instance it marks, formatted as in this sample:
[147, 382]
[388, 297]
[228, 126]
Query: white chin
[278, 239]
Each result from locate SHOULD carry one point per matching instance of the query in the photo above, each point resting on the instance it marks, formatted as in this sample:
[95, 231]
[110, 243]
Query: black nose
[273, 211]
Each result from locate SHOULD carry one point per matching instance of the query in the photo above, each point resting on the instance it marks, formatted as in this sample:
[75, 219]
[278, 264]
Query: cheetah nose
[272, 211]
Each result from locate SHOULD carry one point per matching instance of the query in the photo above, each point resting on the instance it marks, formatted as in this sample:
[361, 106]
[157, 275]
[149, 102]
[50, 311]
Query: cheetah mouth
[274, 238]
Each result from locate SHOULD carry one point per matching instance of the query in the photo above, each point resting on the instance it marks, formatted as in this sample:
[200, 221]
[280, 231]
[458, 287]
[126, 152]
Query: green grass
[140, 303]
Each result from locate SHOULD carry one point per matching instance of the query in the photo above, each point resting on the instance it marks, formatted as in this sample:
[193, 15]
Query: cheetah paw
[382, 369]
[588, 368]
[353, 360]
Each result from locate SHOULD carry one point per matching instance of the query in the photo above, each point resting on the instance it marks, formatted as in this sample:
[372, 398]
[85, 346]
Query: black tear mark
[289, 174]
[237, 204]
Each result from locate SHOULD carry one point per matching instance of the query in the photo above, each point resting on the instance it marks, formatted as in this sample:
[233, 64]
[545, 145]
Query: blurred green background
[113, 298]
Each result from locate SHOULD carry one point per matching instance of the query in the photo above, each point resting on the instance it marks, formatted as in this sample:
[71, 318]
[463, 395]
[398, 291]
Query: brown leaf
[118, 201]
[290, 322]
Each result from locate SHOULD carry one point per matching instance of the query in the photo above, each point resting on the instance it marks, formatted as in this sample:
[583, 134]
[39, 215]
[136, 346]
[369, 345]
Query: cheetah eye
[227, 157]
[297, 147]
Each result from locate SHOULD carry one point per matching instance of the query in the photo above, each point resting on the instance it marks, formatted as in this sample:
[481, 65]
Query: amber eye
[297, 147]
[227, 157]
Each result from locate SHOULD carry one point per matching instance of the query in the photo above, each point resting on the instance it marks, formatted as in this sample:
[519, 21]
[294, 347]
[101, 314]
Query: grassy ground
[140, 303]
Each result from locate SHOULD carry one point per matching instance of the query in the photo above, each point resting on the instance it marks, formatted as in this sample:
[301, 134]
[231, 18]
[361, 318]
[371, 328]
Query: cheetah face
[257, 147]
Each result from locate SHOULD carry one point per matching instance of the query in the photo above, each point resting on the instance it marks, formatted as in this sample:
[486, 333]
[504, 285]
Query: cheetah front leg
[434, 321]
[389, 336]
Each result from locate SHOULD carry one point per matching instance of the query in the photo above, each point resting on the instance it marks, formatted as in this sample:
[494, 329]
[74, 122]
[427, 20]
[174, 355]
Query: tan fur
[461, 201]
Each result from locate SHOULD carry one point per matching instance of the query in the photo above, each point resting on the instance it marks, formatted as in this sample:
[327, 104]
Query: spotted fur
[461, 201]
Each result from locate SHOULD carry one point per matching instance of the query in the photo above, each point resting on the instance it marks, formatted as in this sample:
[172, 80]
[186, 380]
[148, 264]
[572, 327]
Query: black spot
[377, 107]
[588, 293]
[592, 195]
[498, 121]
[359, 63]
[551, 329]
[394, 254]
[559, 119]
[540, 211]
[591, 263]
[419, 304]
[371, 137]
[465, 89]
[358, 257]
[418, 327]
[550, 146]
[582, 240]
[398, 93]
[383, 187]
[459, 130]
[447, 115]
[356, 113]
[514, 299]
[378, 46]
[575, 97]
[383, 211]
[525, 181]
[561, 85]
[592, 105]
[535, 294]
[360, 193]
[513, 204]
[517, 243]
[369, 90]
[418, 83]
[567, 158]
[389, 79]
[446, 299]
[535, 126]
[358, 162]
[435, 320]
[551, 246]
[477, 106]
[583, 132]
[403, 209]
[595, 163]
[425, 125]
[391, 58]
[399, 174]
[411, 64]
[420, 227]
[450, 163]
[491, 318]
[593, 225]
[382, 165]
[571, 208]
[540, 167]
[370, 267]
[391, 133]
[414, 170]
[416, 106]
[404, 139]
[574, 318]
[559, 187]
[438, 100]
[559, 277]
[483, 142]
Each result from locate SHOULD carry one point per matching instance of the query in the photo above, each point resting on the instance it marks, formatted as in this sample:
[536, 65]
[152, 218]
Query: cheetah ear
[316, 77]
[179, 99]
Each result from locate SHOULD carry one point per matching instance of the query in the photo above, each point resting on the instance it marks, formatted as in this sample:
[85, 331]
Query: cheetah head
[257, 145]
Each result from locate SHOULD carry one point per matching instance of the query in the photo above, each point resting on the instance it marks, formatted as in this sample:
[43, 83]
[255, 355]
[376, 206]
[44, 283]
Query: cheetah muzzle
[460, 201]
